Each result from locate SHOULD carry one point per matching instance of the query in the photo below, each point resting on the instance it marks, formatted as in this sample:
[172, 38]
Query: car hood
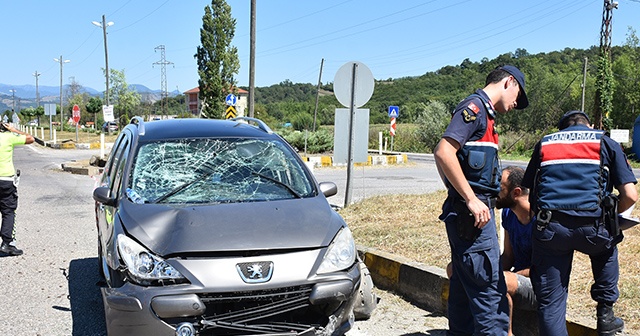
[287, 224]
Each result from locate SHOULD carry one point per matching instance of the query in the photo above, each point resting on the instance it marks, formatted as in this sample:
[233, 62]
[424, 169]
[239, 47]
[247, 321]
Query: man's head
[572, 118]
[510, 187]
[506, 86]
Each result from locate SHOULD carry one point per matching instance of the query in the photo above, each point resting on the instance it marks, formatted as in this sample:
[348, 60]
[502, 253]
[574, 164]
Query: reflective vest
[571, 174]
[479, 158]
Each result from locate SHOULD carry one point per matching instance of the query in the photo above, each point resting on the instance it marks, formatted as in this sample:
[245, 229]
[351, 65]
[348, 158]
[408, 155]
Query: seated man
[516, 257]
[518, 224]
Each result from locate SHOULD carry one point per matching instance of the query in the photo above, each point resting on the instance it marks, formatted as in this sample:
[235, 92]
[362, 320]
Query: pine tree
[217, 58]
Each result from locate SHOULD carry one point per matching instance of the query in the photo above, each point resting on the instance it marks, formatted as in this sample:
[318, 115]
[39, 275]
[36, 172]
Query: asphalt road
[52, 288]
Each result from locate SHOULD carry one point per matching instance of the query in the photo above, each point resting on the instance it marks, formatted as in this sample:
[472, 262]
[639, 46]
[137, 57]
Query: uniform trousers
[553, 248]
[477, 302]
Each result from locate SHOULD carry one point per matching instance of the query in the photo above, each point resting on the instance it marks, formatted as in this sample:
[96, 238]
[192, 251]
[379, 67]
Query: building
[194, 105]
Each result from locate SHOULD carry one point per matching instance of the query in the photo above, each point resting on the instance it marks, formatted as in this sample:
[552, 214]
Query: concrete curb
[327, 161]
[428, 287]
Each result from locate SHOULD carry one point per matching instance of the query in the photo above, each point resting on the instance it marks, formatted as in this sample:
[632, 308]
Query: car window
[217, 171]
[109, 170]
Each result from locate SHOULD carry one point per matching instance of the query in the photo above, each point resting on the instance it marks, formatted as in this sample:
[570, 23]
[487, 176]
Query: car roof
[197, 128]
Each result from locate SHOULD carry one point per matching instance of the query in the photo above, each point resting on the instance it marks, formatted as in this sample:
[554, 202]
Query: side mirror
[103, 195]
[328, 188]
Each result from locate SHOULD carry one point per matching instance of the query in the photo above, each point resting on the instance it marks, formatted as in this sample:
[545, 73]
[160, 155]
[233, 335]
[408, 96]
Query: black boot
[608, 323]
[10, 250]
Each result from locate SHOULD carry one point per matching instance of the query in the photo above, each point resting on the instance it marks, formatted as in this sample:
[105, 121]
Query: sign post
[231, 100]
[76, 118]
[394, 112]
[353, 86]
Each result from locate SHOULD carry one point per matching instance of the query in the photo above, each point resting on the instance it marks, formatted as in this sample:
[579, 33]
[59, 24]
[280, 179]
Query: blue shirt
[520, 239]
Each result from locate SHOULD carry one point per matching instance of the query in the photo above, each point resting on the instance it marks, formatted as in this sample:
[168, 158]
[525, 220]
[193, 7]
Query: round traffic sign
[76, 113]
[343, 81]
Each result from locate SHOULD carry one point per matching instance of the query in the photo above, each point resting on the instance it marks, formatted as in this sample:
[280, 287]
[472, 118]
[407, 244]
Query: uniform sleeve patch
[468, 116]
[473, 107]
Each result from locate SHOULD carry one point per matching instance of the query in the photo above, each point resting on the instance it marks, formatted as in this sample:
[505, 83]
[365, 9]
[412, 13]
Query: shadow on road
[87, 310]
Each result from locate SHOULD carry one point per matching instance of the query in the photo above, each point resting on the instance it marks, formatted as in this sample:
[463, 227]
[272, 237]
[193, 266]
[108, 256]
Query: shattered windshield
[216, 171]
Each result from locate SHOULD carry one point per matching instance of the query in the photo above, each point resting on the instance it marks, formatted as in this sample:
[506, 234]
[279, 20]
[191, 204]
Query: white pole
[101, 145]
[379, 143]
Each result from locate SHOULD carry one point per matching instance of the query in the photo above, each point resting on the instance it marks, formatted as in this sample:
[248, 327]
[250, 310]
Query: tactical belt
[568, 221]
[490, 202]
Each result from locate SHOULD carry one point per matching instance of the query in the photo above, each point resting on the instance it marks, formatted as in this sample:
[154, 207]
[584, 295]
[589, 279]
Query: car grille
[278, 311]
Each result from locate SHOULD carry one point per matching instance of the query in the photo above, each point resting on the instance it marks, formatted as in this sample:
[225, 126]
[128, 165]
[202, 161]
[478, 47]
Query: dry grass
[408, 225]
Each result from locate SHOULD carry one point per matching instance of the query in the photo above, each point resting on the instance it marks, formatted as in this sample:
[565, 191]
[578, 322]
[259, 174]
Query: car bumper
[317, 306]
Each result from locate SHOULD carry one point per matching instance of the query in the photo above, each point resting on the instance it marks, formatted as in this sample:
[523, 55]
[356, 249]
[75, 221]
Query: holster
[610, 215]
[465, 221]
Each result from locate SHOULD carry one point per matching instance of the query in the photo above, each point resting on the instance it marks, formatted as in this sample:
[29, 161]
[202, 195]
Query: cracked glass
[192, 171]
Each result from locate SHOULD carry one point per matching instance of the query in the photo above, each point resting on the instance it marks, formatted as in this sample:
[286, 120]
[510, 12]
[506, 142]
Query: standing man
[467, 159]
[9, 137]
[571, 174]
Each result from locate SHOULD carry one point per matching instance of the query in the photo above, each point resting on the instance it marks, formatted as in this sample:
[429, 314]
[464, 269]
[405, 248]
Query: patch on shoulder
[468, 116]
[473, 107]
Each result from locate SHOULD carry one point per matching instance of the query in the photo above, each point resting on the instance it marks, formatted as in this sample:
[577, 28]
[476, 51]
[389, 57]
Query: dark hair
[574, 119]
[514, 180]
[496, 75]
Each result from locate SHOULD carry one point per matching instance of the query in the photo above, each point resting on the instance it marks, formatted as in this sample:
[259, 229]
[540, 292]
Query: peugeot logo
[255, 272]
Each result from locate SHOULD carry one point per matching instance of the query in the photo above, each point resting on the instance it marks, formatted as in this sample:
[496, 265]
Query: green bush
[320, 141]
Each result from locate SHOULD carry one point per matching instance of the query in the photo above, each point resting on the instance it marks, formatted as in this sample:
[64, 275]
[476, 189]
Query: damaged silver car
[217, 227]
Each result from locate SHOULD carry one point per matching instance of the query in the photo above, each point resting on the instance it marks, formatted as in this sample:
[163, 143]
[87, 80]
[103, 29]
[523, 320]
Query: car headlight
[341, 253]
[144, 267]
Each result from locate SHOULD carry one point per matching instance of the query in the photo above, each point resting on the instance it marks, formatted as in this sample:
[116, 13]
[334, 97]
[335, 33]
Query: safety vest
[479, 157]
[571, 174]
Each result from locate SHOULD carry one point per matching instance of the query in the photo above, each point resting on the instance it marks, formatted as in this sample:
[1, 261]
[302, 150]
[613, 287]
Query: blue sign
[394, 111]
[231, 100]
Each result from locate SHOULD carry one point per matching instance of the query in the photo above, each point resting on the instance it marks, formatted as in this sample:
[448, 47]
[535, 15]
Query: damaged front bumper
[321, 307]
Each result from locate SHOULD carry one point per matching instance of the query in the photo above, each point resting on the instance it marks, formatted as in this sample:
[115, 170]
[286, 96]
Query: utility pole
[104, 26]
[13, 99]
[584, 82]
[315, 111]
[36, 74]
[61, 61]
[163, 78]
[252, 59]
[603, 82]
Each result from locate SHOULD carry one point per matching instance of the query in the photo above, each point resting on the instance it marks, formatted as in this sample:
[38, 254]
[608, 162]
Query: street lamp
[61, 61]
[104, 26]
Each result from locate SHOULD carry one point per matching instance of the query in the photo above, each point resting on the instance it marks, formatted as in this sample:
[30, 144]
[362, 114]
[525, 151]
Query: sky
[392, 38]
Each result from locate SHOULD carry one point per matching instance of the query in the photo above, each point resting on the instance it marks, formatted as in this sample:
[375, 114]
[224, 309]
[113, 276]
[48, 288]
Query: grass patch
[408, 225]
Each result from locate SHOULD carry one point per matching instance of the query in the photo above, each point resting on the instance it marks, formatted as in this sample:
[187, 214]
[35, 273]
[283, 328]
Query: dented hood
[287, 224]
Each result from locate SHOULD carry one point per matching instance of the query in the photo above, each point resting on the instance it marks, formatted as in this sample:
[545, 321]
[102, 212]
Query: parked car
[217, 227]
[109, 126]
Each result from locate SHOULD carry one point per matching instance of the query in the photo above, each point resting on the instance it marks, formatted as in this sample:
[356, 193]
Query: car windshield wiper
[288, 187]
[183, 186]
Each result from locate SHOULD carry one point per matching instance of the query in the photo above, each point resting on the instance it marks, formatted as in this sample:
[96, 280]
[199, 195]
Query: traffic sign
[76, 113]
[231, 100]
[361, 82]
[394, 111]
[392, 128]
[231, 113]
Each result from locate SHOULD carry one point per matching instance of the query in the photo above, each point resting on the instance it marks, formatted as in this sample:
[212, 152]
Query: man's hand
[480, 211]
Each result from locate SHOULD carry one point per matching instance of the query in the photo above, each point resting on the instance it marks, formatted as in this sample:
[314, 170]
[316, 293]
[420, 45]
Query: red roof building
[194, 104]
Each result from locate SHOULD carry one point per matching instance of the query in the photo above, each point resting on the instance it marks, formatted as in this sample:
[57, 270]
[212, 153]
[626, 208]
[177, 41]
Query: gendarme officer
[467, 159]
[571, 174]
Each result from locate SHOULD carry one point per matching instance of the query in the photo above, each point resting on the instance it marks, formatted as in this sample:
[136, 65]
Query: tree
[94, 106]
[217, 60]
[126, 100]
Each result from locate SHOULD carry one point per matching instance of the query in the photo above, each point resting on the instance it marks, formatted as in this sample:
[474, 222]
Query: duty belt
[573, 222]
